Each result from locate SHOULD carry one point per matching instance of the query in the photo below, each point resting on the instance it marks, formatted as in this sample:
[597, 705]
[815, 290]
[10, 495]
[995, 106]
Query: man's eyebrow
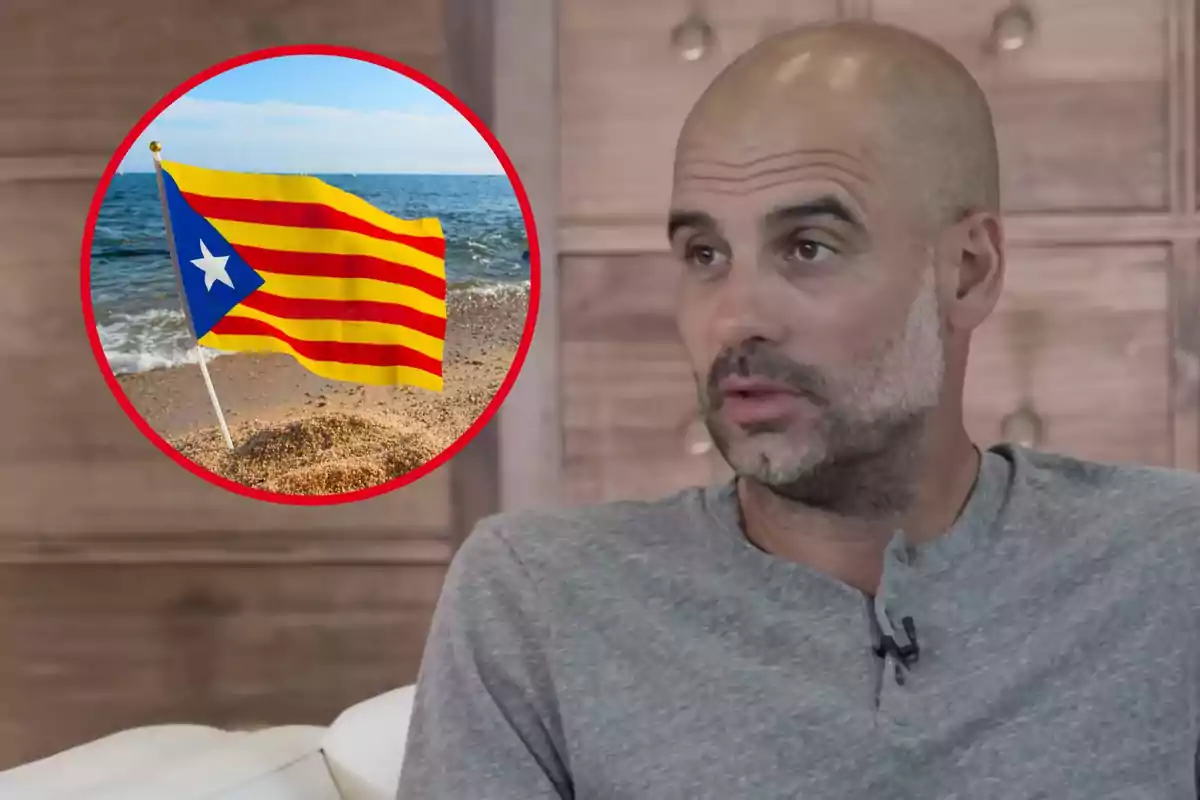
[826, 206]
[689, 219]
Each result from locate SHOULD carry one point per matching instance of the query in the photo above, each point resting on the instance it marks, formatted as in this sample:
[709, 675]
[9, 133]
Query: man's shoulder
[1155, 501]
[1137, 484]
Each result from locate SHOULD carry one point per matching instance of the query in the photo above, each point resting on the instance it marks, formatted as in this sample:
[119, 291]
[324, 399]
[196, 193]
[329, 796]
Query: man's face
[808, 302]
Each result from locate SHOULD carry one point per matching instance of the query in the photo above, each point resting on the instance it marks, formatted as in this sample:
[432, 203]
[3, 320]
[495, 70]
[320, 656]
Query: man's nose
[744, 310]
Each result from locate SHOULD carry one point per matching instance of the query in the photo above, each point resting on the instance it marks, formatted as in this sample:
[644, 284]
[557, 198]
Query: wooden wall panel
[1089, 89]
[1184, 294]
[78, 75]
[1082, 334]
[624, 94]
[88, 651]
[629, 398]
[527, 99]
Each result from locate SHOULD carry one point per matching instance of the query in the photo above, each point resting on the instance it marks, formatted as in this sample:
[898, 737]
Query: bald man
[874, 607]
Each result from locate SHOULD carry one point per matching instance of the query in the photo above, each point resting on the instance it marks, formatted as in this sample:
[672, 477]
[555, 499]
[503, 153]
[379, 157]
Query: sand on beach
[298, 433]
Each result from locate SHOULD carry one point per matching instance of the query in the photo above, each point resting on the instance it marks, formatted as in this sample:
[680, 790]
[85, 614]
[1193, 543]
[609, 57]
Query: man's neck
[850, 547]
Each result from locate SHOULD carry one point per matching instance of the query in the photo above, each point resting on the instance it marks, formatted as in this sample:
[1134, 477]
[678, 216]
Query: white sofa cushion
[230, 767]
[365, 745]
[306, 779]
[119, 756]
[357, 758]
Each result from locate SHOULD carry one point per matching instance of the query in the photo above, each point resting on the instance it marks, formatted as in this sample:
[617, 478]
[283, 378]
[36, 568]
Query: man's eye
[810, 251]
[704, 256]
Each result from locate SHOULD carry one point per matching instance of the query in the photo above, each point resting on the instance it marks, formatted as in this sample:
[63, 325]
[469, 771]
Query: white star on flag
[214, 268]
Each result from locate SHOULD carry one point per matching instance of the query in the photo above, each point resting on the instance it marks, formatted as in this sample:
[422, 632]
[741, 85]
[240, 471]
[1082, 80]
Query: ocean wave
[484, 286]
[130, 252]
[132, 363]
[147, 340]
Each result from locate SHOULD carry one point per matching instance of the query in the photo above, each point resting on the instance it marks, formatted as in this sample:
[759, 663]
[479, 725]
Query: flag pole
[156, 149]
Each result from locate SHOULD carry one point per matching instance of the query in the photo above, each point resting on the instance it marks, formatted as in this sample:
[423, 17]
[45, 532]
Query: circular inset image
[310, 275]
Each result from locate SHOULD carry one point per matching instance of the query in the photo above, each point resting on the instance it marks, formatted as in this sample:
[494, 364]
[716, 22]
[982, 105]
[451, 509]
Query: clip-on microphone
[907, 655]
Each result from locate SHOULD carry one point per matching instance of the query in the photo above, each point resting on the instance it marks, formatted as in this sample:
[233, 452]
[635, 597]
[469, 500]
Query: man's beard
[860, 456]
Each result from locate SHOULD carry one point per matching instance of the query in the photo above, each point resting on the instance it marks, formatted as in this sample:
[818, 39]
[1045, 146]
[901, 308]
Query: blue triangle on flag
[207, 277]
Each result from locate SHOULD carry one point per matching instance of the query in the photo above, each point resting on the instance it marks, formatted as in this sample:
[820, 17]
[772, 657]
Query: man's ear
[975, 254]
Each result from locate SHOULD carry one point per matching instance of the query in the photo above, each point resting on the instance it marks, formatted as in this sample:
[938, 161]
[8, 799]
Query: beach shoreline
[298, 433]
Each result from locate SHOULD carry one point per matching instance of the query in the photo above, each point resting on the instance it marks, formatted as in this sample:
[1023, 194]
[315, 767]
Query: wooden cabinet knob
[1023, 427]
[1012, 28]
[693, 38]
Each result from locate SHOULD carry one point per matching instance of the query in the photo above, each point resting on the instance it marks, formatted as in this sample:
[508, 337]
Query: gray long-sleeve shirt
[647, 650]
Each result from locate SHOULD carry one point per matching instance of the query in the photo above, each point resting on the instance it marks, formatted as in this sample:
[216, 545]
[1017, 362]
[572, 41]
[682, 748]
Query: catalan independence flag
[291, 264]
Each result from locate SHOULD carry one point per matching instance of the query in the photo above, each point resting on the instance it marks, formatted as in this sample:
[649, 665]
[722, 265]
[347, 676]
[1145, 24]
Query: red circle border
[514, 369]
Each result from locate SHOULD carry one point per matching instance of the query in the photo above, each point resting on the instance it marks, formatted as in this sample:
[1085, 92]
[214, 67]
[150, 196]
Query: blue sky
[317, 114]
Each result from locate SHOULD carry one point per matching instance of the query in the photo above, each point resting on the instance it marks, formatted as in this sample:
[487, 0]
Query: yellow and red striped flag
[291, 264]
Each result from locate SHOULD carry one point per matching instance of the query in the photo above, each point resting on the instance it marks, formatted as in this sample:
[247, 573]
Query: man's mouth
[745, 401]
